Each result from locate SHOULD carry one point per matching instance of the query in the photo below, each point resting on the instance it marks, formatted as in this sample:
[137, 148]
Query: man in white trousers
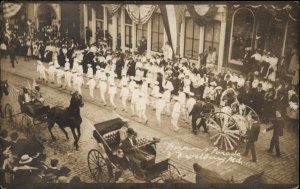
[91, 83]
[68, 78]
[175, 114]
[159, 106]
[141, 106]
[112, 92]
[134, 98]
[124, 94]
[51, 71]
[103, 85]
[41, 70]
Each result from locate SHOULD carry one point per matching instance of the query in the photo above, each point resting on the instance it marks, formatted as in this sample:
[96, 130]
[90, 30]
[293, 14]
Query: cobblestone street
[277, 170]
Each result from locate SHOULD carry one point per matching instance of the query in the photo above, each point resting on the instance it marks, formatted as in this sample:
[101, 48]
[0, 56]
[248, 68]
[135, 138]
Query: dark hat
[14, 136]
[64, 171]
[131, 131]
[197, 167]
[54, 162]
[4, 133]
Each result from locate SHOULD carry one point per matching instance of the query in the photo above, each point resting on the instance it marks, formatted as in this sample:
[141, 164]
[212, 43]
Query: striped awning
[140, 14]
[10, 9]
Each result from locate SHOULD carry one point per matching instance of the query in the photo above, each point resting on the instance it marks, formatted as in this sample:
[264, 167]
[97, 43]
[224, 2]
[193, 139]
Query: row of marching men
[141, 95]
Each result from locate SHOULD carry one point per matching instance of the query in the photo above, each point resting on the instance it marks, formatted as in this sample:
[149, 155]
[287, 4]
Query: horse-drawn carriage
[229, 124]
[106, 165]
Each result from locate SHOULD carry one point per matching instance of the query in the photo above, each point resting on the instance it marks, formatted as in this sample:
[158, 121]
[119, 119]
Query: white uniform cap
[57, 67]
[219, 88]
[51, 63]
[213, 83]
[67, 59]
[102, 69]
[98, 67]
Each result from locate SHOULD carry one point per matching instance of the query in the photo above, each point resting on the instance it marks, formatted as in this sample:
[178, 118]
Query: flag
[10, 9]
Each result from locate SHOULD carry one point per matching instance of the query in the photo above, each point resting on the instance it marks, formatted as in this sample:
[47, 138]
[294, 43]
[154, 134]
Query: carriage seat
[113, 140]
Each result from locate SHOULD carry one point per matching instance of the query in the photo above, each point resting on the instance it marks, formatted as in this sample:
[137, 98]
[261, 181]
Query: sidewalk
[278, 170]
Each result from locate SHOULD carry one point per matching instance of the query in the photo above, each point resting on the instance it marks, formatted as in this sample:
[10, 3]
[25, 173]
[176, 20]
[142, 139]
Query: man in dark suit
[135, 156]
[196, 114]
[252, 136]
[277, 127]
[207, 109]
[88, 35]
[258, 99]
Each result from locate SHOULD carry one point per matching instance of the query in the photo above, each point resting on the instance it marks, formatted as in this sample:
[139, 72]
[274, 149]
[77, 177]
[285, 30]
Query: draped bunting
[140, 14]
[202, 14]
[113, 8]
[279, 12]
[10, 9]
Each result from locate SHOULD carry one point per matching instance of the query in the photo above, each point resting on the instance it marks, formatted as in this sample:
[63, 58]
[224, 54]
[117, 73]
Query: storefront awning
[10, 9]
[140, 14]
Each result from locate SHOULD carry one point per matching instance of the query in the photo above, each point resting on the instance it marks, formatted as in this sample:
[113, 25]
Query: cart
[106, 163]
[228, 126]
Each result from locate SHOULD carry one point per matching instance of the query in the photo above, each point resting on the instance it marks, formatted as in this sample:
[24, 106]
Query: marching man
[141, 105]
[97, 75]
[154, 93]
[182, 101]
[124, 96]
[134, 98]
[103, 85]
[59, 75]
[189, 105]
[68, 78]
[91, 83]
[89, 71]
[41, 70]
[112, 92]
[167, 95]
[176, 114]
[159, 106]
[51, 71]
[78, 83]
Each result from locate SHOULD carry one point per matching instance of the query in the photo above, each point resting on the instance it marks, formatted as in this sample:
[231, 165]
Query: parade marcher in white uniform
[79, 82]
[59, 76]
[182, 101]
[68, 78]
[91, 83]
[154, 93]
[131, 84]
[41, 70]
[67, 64]
[51, 72]
[134, 98]
[123, 81]
[124, 94]
[144, 87]
[89, 71]
[103, 85]
[141, 105]
[167, 95]
[112, 92]
[189, 105]
[175, 114]
[159, 107]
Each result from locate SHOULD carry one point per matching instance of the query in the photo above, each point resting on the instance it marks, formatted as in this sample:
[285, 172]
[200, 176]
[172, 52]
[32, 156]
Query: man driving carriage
[135, 155]
[32, 102]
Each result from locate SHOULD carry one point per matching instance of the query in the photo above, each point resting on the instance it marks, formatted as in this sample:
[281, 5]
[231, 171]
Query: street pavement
[183, 148]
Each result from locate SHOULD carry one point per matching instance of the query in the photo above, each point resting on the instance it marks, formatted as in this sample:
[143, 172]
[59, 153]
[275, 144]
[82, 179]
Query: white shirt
[91, 83]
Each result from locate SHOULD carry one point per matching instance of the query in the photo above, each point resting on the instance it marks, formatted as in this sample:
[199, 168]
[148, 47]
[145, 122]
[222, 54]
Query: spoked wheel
[224, 131]
[171, 174]
[99, 166]
[9, 115]
[26, 125]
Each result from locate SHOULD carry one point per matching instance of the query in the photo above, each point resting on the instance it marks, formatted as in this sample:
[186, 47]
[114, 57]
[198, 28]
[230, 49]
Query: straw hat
[25, 159]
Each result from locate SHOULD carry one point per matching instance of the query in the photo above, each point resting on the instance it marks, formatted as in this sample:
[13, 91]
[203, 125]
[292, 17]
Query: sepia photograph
[149, 94]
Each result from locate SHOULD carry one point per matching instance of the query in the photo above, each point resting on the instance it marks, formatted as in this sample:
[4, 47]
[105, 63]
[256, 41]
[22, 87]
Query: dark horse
[3, 90]
[69, 117]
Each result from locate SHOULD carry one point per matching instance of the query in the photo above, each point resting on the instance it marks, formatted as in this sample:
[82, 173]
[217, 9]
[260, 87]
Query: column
[105, 20]
[123, 30]
[221, 46]
[201, 39]
[35, 15]
[133, 37]
[149, 31]
[93, 25]
[182, 34]
[114, 30]
[85, 19]
[284, 38]
[58, 13]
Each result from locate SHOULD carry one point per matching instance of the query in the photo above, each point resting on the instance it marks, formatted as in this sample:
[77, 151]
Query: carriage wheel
[26, 125]
[9, 115]
[99, 166]
[224, 131]
[247, 111]
[172, 173]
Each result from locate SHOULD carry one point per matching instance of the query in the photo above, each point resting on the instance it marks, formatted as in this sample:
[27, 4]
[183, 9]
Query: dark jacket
[277, 126]
[253, 133]
[127, 146]
[196, 111]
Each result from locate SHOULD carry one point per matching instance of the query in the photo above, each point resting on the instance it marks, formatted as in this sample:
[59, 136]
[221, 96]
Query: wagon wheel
[172, 173]
[9, 115]
[224, 131]
[26, 125]
[99, 166]
[247, 110]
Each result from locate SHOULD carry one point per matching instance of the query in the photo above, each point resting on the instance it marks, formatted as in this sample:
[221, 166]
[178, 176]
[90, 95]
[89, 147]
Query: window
[100, 17]
[141, 31]
[128, 26]
[191, 41]
[157, 33]
[119, 24]
[212, 36]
